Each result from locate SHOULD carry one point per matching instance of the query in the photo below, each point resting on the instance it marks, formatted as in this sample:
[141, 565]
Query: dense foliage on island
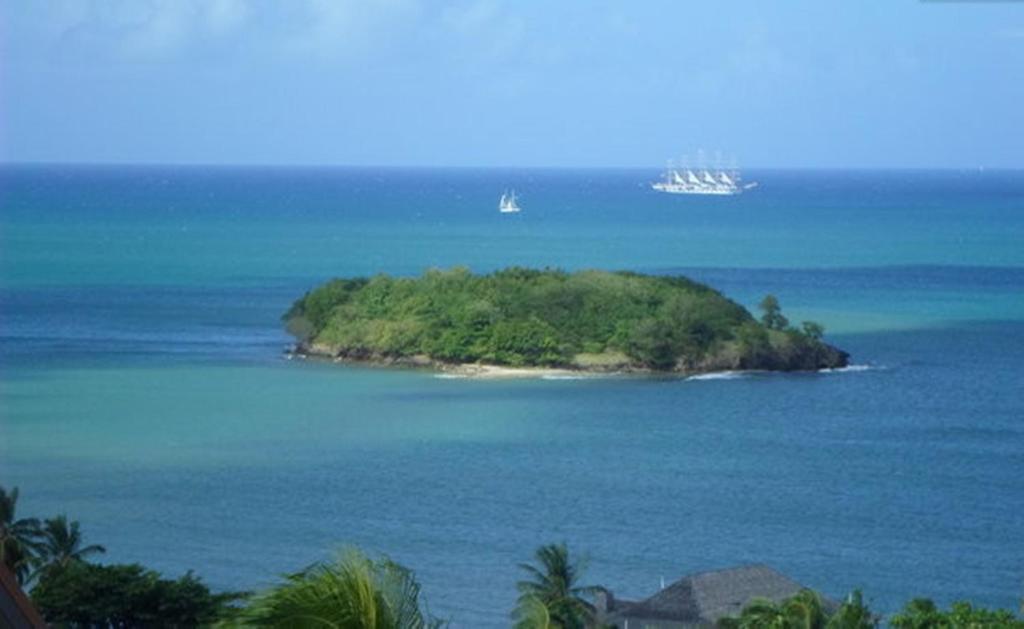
[51, 560]
[594, 320]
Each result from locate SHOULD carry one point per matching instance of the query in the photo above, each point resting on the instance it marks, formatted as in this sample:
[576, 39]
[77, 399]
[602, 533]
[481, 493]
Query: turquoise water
[143, 389]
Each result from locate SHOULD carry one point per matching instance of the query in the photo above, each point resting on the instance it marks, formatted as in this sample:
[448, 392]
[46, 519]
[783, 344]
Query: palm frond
[354, 592]
[532, 613]
[553, 582]
[19, 539]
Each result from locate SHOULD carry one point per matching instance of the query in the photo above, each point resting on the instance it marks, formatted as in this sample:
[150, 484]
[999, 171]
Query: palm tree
[853, 614]
[555, 584]
[762, 613]
[355, 592]
[61, 544]
[800, 611]
[805, 607]
[18, 538]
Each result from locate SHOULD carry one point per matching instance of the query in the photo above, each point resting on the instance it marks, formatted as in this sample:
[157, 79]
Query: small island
[518, 319]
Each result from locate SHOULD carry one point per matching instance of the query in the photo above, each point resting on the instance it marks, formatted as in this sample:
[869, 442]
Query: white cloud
[332, 28]
[485, 29]
[167, 26]
[131, 27]
[162, 28]
[223, 16]
[472, 17]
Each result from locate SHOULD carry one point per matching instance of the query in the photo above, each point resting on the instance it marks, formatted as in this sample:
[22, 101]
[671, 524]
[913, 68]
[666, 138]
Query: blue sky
[826, 83]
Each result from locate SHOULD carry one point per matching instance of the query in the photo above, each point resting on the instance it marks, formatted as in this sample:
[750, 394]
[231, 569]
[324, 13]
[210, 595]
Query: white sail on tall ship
[508, 203]
[685, 180]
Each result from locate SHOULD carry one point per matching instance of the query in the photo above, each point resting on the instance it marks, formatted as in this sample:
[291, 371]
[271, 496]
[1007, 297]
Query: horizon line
[269, 165]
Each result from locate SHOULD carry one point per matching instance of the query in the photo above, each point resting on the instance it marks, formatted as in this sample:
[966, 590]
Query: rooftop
[704, 598]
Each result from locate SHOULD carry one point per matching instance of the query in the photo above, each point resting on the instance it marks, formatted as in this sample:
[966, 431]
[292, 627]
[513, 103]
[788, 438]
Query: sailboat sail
[508, 204]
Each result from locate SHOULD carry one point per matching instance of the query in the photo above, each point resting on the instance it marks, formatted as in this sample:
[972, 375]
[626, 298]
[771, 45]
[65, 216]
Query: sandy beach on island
[452, 370]
[488, 372]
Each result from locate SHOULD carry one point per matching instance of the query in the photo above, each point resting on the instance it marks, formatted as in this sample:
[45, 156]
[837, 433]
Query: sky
[519, 83]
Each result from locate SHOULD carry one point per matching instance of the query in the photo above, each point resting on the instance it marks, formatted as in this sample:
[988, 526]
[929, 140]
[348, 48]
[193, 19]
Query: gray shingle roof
[706, 597]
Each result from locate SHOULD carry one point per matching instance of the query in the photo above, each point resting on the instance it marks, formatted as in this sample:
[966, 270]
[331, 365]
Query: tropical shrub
[801, 611]
[89, 595]
[804, 610]
[922, 613]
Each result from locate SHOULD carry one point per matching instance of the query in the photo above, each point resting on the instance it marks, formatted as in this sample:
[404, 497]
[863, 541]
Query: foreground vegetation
[127, 595]
[354, 591]
[593, 320]
[50, 557]
[551, 595]
[359, 592]
[805, 611]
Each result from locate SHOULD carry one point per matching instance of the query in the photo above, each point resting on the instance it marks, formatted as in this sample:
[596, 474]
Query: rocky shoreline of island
[836, 359]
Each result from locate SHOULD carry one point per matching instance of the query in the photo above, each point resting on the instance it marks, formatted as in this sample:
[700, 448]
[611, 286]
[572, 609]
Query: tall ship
[508, 203]
[685, 180]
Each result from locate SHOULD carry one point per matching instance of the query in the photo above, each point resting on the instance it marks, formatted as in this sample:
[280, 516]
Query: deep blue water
[143, 390]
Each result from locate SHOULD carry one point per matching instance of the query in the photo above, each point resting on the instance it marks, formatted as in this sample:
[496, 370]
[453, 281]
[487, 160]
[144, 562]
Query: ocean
[144, 390]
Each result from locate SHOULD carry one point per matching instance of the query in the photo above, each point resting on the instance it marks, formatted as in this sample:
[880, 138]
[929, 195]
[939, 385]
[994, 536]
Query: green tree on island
[772, 317]
[813, 330]
[61, 545]
[355, 592]
[19, 538]
[554, 584]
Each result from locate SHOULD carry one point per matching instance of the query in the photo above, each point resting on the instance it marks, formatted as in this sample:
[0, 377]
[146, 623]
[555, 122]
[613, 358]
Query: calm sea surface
[143, 389]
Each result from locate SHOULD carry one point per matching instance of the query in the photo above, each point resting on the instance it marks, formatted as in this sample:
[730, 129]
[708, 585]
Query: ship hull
[681, 189]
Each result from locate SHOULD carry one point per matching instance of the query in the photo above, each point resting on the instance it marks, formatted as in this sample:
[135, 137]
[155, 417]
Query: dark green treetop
[772, 317]
[90, 595]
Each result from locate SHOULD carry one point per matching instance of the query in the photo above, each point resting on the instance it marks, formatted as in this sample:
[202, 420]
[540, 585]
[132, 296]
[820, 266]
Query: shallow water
[144, 392]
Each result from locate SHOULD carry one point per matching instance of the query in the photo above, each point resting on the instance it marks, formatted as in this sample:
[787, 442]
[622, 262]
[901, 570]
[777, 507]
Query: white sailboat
[508, 204]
